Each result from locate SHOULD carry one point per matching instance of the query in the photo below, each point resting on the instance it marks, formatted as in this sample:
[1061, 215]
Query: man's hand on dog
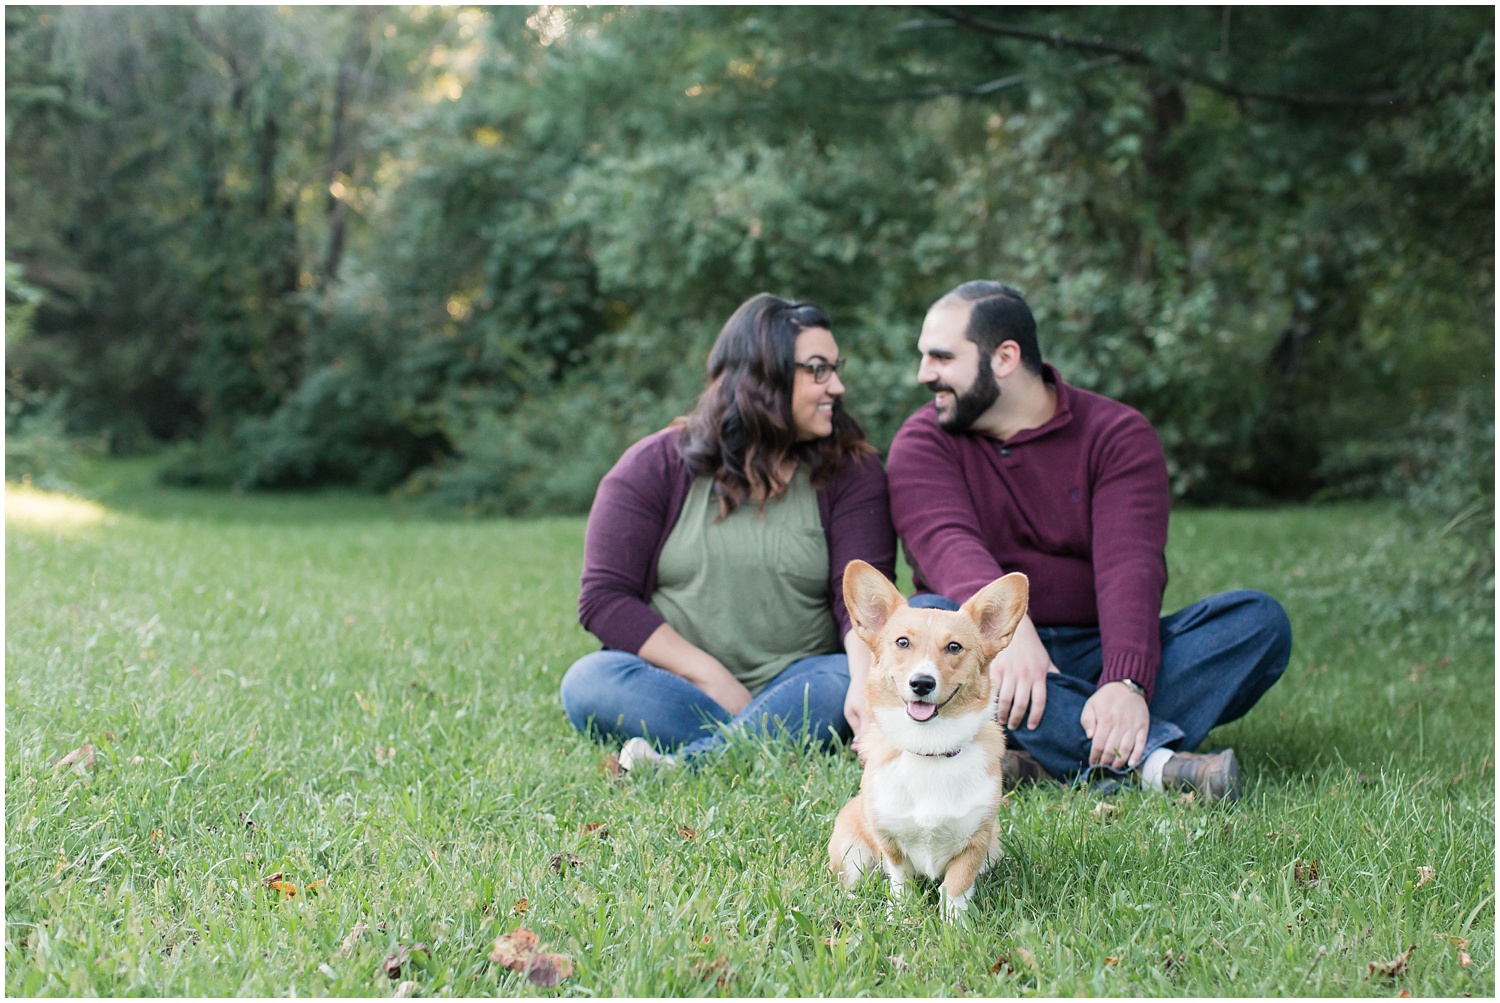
[1117, 720]
[1019, 673]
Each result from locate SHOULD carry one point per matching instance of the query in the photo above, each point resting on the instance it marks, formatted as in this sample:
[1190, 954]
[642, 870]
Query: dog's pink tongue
[919, 711]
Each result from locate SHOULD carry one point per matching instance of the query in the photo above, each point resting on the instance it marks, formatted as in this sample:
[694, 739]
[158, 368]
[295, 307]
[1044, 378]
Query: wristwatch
[1134, 687]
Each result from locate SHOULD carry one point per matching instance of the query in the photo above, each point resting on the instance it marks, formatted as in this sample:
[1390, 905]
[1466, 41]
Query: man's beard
[968, 406]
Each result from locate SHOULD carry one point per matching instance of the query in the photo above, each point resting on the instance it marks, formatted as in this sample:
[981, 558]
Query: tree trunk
[339, 159]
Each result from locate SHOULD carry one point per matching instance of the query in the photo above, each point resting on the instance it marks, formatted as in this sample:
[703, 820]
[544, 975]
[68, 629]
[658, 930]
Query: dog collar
[934, 755]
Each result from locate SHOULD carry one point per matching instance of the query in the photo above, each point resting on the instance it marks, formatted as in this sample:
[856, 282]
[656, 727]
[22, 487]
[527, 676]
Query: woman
[714, 558]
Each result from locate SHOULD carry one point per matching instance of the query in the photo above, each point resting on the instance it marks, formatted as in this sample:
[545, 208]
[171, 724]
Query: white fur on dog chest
[931, 806]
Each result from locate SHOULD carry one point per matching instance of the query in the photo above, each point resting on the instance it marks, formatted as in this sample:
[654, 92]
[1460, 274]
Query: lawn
[364, 702]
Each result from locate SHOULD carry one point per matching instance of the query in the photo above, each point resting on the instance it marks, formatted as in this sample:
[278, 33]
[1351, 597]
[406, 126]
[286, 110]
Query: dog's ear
[998, 607]
[871, 599]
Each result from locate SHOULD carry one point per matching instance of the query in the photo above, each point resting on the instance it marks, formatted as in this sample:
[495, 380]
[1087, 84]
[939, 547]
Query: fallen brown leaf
[560, 861]
[687, 833]
[594, 829]
[352, 938]
[1002, 966]
[1403, 995]
[517, 951]
[397, 959]
[547, 970]
[1425, 875]
[1104, 810]
[1306, 872]
[391, 966]
[519, 909]
[1111, 961]
[1390, 969]
[514, 948]
[717, 969]
[80, 759]
[404, 989]
[286, 888]
[315, 885]
[269, 878]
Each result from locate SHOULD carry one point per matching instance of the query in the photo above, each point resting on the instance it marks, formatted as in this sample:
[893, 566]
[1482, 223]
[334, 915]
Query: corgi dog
[932, 783]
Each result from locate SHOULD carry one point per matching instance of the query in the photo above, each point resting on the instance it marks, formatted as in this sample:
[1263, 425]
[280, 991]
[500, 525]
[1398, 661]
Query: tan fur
[905, 815]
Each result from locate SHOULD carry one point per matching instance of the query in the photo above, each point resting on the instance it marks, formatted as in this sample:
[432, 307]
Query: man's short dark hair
[999, 314]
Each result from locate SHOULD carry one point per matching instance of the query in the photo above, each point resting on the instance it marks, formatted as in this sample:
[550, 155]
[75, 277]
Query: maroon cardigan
[638, 503]
[1080, 505]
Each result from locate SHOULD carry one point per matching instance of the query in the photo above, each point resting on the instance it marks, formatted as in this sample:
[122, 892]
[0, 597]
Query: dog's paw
[955, 907]
[897, 898]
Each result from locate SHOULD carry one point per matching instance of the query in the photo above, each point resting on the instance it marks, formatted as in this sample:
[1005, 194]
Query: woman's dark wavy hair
[741, 429]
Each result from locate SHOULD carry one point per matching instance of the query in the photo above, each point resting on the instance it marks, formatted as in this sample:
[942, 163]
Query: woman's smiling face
[812, 402]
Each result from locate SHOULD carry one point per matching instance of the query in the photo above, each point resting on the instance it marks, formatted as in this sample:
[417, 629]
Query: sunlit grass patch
[34, 508]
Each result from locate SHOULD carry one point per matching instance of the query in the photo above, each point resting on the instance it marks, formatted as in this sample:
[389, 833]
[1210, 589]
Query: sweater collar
[1060, 418]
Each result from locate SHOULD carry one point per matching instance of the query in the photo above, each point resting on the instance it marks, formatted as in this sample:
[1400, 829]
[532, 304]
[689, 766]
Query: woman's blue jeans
[617, 695]
[1218, 657]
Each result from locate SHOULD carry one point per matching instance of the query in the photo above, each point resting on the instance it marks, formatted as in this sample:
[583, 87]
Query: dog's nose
[922, 685]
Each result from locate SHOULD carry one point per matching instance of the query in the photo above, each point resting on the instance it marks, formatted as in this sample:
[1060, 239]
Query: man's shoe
[1019, 768]
[1213, 776]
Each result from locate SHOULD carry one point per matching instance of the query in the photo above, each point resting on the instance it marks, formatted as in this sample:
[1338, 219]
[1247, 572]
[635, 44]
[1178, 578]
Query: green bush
[38, 447]
[545, 458]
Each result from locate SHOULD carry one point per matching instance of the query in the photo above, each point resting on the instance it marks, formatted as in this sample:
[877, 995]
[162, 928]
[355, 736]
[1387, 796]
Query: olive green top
[751, 590]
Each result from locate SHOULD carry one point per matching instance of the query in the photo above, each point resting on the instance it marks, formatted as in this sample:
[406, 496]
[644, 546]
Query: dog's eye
[902, 642]
[954, 648]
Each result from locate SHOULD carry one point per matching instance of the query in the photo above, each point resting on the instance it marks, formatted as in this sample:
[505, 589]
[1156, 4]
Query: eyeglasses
[821, 371]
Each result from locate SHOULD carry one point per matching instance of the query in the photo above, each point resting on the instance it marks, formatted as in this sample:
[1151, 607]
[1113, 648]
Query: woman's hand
[856, 703]
[726, 691]
[667, 649]
[856, 710]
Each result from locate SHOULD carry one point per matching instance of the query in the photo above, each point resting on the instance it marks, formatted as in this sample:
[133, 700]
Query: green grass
[244, 667]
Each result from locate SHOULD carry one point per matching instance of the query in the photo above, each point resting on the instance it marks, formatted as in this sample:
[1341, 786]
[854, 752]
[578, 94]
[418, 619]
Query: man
[1011, 469]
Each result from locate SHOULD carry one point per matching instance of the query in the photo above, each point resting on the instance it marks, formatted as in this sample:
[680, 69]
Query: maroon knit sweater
[1079, 505]
[638, 503]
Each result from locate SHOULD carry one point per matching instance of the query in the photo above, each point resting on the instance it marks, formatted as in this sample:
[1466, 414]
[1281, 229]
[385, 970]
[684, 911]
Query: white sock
[1152, 767]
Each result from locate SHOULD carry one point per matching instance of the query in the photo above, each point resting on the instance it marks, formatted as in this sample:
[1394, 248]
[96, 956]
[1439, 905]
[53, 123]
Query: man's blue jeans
[1218, 657]
[619, 695]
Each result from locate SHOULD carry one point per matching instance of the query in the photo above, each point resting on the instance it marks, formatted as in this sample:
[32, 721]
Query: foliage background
[471, 253]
